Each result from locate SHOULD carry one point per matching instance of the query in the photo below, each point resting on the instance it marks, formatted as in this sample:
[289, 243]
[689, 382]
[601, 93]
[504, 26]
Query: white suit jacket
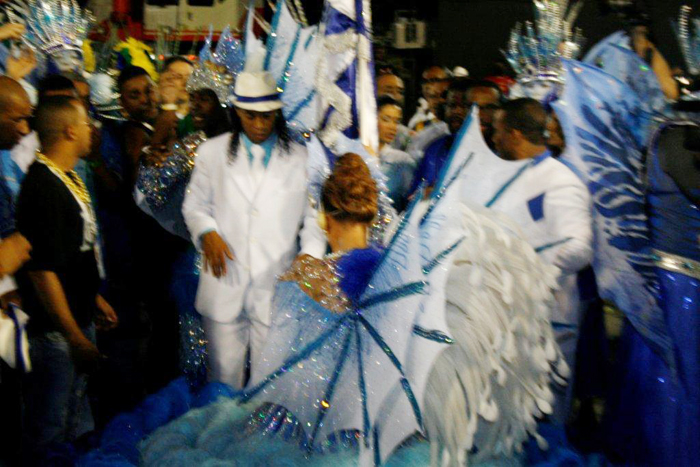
[260, 223]
[551, 206]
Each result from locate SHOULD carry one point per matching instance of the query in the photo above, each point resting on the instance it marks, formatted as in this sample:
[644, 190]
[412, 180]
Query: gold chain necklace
[74, 183]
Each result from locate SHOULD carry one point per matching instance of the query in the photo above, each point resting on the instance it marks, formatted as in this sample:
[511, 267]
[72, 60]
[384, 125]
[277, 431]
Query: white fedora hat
[256, 91]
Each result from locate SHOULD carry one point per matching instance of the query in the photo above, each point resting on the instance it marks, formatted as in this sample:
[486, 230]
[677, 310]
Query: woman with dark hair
[160, 191]
[396, 165]
[160, 188]
[208, 113]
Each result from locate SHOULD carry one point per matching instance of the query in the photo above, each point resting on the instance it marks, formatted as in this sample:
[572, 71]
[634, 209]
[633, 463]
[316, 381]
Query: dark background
[471, 33]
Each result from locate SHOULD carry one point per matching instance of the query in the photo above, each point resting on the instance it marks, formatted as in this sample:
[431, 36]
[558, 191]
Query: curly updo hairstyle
[350, 193]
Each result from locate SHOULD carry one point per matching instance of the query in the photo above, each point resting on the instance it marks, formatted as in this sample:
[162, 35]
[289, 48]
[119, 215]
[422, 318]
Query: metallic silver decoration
[56, 28]
[209, 75]
[535, 53]
[217, 69]
[675, 263]
[161, 183]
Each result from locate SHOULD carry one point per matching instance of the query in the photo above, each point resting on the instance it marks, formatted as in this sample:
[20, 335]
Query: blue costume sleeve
[432, 163]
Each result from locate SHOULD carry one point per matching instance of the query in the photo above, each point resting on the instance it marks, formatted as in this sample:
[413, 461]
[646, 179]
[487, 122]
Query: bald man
[59, 286]
[15, 111]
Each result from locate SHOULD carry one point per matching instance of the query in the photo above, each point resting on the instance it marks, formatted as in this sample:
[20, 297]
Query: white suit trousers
[229, 345]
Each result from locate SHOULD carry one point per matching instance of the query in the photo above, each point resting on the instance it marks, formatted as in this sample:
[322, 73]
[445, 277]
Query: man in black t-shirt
[59, 286]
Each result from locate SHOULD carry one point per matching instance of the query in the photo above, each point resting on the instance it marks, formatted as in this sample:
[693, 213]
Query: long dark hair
[219, 121]
[283, 137]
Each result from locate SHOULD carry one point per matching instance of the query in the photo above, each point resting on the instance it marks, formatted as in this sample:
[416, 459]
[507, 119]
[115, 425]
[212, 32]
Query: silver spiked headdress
[218, 68]
[535, 50]
[56, 28]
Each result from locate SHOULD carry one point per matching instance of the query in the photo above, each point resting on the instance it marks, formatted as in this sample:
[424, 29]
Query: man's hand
[11, 31]
[18, 68]
[14, 252]
[215, 253]
[85, 354]
[106, 318]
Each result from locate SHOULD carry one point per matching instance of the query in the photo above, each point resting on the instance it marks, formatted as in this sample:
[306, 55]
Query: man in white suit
[547, 201]
[247, 207]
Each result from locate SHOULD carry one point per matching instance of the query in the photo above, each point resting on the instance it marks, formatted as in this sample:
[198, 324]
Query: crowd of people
[197, 232]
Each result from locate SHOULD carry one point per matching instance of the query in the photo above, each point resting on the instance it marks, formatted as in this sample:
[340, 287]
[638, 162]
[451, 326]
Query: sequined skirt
[654, 413]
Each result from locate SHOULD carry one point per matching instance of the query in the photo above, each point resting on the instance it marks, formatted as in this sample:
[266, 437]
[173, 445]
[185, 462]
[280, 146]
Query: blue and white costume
[551, 207]
[655, 414]
[647, 253]
[361, 353]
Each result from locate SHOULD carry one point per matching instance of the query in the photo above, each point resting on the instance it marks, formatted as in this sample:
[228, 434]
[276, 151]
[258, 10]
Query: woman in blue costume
[647, 226]
[160, 191]
[657, 417]
[443, 334]
[359, 359]
[654, 414]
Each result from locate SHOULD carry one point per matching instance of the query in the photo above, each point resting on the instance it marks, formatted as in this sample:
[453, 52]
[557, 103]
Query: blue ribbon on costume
[338, 23]
[517, 175]
[19, 355]
[251, 100]
[432, 335]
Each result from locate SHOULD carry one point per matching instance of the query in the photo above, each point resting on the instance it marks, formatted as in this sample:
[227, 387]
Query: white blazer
[260, 222]
[553, 209]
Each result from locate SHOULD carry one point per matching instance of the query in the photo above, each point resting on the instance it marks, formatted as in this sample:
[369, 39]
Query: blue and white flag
[604, 125]
[292, 54]
[345, 75]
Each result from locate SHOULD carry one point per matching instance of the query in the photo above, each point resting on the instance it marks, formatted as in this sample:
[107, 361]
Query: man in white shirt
[549, 203]
[246, 206]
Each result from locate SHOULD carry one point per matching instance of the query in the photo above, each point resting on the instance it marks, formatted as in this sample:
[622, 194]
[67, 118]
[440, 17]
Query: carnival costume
[535, 53]
[614, 55]
[541, 195]
[361, 353]
[646, 256]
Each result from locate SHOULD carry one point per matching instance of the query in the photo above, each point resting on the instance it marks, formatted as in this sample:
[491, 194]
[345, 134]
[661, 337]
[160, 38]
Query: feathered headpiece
[56, 28]
[535, 54]
[218, 69]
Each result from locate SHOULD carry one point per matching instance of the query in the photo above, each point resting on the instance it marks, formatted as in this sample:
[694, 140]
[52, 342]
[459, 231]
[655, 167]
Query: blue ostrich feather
[355, 270]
